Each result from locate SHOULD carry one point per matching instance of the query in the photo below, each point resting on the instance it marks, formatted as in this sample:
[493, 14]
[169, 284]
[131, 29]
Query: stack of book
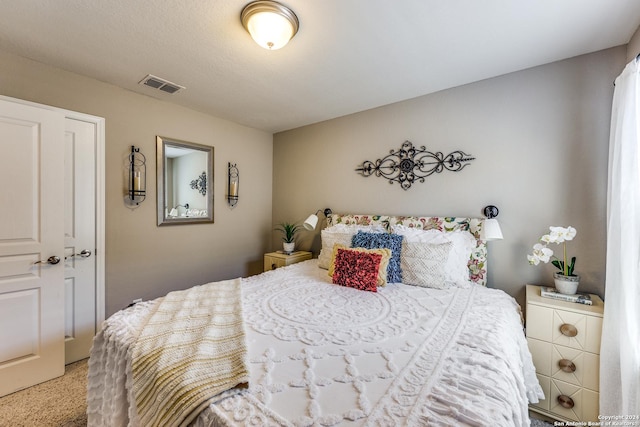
[547, 292]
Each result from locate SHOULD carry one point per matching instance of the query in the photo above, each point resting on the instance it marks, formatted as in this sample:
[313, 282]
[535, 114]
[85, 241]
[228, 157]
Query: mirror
[184, 182]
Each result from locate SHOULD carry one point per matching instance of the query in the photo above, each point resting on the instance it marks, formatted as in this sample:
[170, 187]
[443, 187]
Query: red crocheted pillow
[357, 269]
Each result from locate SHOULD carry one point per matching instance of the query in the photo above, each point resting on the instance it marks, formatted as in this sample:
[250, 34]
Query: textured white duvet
[324, 355]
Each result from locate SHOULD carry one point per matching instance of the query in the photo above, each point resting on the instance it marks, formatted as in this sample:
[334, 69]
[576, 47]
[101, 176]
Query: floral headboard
[478, 261]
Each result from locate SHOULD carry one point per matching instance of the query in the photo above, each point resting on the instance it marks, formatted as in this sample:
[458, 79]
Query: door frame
[99, 123]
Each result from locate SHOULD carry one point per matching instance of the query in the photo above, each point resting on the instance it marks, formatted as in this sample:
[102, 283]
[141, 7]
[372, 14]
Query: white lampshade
[270, 24]
[311, 222]
[491, 230]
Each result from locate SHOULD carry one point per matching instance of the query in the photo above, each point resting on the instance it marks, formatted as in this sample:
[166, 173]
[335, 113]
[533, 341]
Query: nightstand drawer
[587, 329]
[576, 367]
[275, 260]
[271, 263]
[564, 328]
[566, 364]
[575, 403]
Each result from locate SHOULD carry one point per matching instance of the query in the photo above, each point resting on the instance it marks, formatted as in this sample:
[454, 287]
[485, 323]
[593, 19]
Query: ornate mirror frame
[195, 207]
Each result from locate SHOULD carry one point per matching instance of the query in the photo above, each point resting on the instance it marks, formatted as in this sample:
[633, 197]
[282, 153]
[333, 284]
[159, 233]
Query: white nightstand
[274, 260]
[564, 340]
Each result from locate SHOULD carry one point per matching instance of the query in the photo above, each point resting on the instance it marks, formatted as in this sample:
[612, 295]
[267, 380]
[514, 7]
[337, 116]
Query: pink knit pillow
[356, 269]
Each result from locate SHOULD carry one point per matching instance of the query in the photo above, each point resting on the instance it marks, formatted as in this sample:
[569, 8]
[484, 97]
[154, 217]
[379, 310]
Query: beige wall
[540, 138]
[633, 48]
[142, 259]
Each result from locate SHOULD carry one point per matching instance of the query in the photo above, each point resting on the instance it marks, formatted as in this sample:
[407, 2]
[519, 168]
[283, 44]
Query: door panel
[79, 235]
[31, 229]
[20, 150]
[24, 340]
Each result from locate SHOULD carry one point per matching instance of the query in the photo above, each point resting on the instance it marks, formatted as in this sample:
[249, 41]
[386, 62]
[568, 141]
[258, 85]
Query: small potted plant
[566, 281]
[289, 231]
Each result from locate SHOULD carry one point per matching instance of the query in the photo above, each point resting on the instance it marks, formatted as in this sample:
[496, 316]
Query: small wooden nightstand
[273, 260]
[564, 340]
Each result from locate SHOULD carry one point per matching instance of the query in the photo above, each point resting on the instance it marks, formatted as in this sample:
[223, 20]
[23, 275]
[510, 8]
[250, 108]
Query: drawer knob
[566, 365]
[565, 401]
[568, 330]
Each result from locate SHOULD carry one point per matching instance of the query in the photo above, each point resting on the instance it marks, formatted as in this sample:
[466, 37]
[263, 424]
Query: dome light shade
[490, 228]
[270, 23]
[311, 222]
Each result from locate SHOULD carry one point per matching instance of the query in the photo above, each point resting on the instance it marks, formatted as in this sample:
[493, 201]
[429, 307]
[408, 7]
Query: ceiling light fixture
[270, 23]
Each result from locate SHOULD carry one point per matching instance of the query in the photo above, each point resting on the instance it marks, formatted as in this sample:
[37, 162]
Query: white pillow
[423, 264]
[456, 265]
[342, 234]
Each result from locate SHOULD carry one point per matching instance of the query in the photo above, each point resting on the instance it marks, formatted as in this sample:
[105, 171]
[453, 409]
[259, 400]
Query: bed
[301, 350]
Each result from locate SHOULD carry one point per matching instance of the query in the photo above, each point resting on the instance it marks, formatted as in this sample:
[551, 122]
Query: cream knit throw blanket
[191, 350]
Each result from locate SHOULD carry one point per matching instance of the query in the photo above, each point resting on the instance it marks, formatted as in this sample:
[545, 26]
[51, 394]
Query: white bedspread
[321, 354]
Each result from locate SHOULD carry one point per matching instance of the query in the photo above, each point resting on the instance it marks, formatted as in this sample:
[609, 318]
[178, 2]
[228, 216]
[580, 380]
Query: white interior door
[79, 238]
[31, 231]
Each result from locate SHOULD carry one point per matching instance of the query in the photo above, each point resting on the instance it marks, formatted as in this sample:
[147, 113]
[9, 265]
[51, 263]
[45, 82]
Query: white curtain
[620, 349]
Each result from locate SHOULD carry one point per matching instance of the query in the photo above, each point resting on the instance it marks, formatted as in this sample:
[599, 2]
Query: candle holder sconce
[234, 183]
[137, 178]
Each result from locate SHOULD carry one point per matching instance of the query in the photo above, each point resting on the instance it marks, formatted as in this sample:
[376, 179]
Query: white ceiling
[348, 56]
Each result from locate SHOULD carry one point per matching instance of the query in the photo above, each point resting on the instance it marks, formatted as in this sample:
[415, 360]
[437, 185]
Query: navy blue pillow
[366, 240]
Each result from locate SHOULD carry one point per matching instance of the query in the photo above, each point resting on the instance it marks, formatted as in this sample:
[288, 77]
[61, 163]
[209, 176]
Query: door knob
[85, 253]
[51, 260]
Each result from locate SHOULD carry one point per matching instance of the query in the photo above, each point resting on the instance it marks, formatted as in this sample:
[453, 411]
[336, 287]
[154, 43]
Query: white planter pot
[567, 285]
[289, 247]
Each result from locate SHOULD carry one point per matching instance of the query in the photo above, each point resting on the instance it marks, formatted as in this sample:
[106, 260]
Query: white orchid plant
[541, 251]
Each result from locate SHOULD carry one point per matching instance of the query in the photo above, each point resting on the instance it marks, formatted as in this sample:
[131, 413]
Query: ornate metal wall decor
[200, 184]
[410, 164]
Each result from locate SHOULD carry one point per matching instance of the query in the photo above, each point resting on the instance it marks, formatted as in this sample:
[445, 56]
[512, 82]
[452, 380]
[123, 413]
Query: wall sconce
[312, 220]
[234, 183]
[490, 227]
[137, 178]
[270, 23]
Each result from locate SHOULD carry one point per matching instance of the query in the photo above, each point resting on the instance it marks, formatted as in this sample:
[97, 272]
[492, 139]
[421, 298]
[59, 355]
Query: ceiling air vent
[161, 84]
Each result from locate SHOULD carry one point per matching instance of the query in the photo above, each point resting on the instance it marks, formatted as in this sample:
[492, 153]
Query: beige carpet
[56, 403]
